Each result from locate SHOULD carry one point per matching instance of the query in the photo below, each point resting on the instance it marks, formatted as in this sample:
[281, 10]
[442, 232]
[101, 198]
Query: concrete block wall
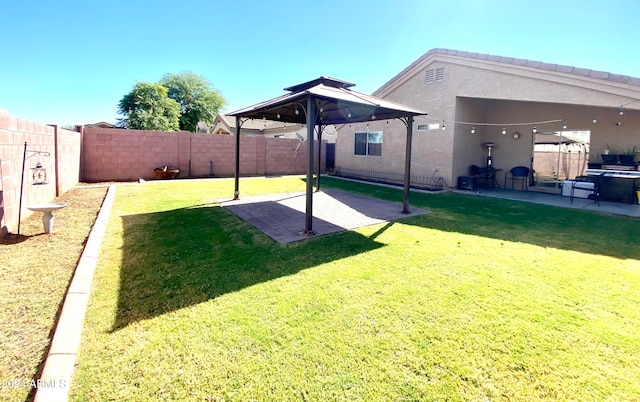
[68, 155]
[101, 154]
[120, 155]
[14, 133]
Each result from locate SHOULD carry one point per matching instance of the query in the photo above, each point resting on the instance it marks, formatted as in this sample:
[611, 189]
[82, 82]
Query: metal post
[24, 159]
[236, 192]
[407, 166]
[319, 156]
[56, 162]
[311, 124]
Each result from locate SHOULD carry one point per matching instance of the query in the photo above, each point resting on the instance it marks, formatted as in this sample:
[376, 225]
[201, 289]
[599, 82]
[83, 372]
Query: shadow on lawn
[179, 258]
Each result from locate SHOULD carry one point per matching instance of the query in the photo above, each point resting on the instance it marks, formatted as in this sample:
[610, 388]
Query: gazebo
[321, 102]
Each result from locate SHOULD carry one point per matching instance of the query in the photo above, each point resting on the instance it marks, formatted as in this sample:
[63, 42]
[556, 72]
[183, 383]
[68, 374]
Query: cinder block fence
[94, 154]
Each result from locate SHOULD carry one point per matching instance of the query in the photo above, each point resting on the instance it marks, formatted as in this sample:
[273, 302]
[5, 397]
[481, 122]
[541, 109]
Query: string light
[503, 125]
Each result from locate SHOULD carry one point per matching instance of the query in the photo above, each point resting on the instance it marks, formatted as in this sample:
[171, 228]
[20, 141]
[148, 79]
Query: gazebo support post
[311, 125]
[236, 192]
[319, 156]
[407, 166]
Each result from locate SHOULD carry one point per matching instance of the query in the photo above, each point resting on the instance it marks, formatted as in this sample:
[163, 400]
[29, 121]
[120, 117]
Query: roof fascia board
[587, 82]
[558, 77]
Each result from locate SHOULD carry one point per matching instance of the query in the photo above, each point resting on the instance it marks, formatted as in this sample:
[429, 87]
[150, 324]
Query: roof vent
[430, 77]
[434, 75]
[328, 81]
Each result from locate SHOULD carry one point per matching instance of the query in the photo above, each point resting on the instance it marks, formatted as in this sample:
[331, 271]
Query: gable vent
[430, 77]
[434, 75]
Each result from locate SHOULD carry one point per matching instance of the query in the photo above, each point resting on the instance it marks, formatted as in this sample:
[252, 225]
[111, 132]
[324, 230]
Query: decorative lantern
[39, 174]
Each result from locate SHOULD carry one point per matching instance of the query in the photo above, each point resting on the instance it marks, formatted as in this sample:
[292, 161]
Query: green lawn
[482, 299]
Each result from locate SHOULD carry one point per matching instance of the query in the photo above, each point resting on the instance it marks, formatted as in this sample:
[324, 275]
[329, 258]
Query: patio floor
[616, 208]
[282, 216]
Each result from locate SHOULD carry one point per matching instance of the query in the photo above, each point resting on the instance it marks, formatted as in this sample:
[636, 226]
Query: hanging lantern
[39, 174]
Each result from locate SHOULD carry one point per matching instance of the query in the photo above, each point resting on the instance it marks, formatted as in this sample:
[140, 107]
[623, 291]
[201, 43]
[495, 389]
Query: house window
[368, 144]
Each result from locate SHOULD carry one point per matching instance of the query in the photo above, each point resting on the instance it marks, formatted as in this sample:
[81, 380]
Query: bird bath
[47, 219]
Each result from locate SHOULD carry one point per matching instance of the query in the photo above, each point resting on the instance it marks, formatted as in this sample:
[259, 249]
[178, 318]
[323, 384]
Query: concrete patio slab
[282, 216]
[609, 207]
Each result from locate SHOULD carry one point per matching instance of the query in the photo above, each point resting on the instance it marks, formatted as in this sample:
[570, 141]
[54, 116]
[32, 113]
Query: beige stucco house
[473, 99]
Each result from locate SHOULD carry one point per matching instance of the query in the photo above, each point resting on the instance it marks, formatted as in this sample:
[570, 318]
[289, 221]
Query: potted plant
[609, 156]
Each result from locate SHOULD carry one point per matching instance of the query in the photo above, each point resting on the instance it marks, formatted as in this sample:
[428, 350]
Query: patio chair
[518, 173]
[479, 173]
[590, 184]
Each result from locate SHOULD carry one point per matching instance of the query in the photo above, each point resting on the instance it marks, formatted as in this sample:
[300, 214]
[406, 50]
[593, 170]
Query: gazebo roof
[325, 101]
[336, 104]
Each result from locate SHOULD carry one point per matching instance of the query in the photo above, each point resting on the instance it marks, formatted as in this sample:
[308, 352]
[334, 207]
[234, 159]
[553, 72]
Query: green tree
[147, 107]
[198, 100]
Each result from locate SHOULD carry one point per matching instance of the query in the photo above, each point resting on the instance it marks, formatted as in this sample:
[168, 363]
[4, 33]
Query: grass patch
[482, 299]
[35, 274]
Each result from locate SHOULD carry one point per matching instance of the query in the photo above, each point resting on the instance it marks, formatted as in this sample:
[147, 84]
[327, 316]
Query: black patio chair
[479, 173]
[518, 173]
[590, 184]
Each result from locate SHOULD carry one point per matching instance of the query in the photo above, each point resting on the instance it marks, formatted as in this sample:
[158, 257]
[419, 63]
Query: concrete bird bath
[47, 219]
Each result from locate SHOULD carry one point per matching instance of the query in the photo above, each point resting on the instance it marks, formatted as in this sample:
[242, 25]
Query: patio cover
[558, 137]
[320, 102]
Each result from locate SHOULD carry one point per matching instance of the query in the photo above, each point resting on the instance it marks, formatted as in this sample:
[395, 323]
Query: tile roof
[584, 72]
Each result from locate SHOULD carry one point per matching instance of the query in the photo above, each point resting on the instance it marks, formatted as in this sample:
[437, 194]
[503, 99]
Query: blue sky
[70, 62]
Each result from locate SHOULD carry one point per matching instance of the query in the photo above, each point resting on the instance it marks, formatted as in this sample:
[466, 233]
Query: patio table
[490, 176]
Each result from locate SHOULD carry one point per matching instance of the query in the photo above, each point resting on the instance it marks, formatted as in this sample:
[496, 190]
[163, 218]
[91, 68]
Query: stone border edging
[55, 380]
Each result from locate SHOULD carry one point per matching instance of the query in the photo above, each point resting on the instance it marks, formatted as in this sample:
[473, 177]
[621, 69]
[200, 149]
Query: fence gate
[331, 157]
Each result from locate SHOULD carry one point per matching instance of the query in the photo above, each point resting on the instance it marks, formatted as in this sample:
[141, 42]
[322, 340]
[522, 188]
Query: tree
[198, 100]
[147, 107]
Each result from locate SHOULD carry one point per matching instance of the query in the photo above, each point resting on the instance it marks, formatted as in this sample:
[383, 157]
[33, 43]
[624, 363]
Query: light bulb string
[468, 123]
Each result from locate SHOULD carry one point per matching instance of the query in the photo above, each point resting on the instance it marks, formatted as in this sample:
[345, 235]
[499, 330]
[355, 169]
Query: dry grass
[35, 274]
